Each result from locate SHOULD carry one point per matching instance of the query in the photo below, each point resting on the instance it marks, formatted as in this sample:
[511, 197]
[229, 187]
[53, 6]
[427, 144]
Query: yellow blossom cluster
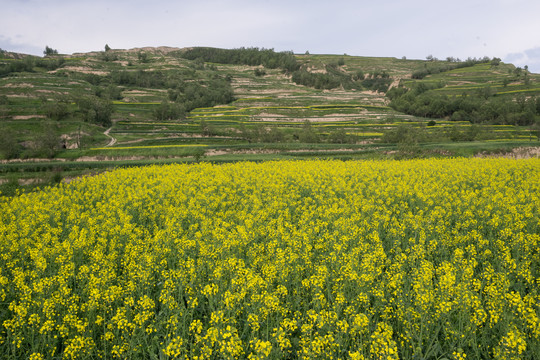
[411, 259]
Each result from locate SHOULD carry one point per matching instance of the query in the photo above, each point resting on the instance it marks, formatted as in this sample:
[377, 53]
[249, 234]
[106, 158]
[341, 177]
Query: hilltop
[165, 104]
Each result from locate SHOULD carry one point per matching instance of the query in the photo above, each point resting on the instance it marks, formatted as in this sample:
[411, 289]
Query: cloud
[533, 53]
[529, 57]
[515, 57]
[9, 44]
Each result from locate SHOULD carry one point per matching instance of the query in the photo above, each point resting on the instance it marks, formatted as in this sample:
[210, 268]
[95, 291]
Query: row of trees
[139, 78]
[482, 106]
[304, 134]
[29, 64]
[437, 67]
[317, 80]
[334, 78]
[244, 56]
[259, 133]
[202, 93]
[407, 135]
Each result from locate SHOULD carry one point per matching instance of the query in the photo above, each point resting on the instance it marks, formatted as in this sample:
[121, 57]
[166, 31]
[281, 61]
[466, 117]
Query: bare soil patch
[269, 115]
[52, 92]
[20, 96]
[516, 153]
[81, 69]
[370, 92]
[29, 160]
[459, 83]
[325, 150]
[26, 117]
[328, 118]
[315, 70]
[136, 92]
[215, 152]
[20, 85]
[109, 158]
[394, 83]
[32, 181]
[251, 92]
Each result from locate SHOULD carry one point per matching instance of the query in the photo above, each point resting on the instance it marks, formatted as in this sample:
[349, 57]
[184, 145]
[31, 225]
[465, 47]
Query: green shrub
[9, 147]
[95, 110]
[167, 111]
[259, 72]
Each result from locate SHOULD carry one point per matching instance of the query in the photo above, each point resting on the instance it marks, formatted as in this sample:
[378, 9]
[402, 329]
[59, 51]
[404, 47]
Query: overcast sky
[509, 29]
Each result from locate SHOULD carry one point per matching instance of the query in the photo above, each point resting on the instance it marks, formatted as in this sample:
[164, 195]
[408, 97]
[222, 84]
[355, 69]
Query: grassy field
[368, 259]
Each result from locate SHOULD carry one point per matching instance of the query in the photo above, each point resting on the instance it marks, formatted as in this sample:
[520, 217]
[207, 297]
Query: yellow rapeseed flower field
[279, 260]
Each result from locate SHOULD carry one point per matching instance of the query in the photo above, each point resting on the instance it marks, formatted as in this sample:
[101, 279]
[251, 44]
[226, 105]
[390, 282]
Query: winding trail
[113, 139]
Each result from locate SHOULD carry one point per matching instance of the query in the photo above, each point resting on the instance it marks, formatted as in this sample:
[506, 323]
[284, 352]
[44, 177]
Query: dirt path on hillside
[112, 139]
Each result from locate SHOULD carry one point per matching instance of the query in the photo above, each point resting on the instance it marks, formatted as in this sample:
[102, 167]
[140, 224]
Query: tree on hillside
[47, 142]
[57, 109]
[50, 51]
[143, 57]
[9, 147]
[95, 110]
[107, 47]
[307, 134]
[168, 111]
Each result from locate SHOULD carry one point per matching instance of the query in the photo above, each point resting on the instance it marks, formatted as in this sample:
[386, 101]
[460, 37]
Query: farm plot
[290, 259]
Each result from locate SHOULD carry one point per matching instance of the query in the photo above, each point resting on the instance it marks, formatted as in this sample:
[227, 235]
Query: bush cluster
[306, 134]
[316, 80]
[438, 66]
[244, 56]
[476, 108]
[334, 78]
[408, 135]
[29, 64]
[95, 110]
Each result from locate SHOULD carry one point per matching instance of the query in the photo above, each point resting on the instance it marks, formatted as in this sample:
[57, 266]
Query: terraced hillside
[128, 107]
